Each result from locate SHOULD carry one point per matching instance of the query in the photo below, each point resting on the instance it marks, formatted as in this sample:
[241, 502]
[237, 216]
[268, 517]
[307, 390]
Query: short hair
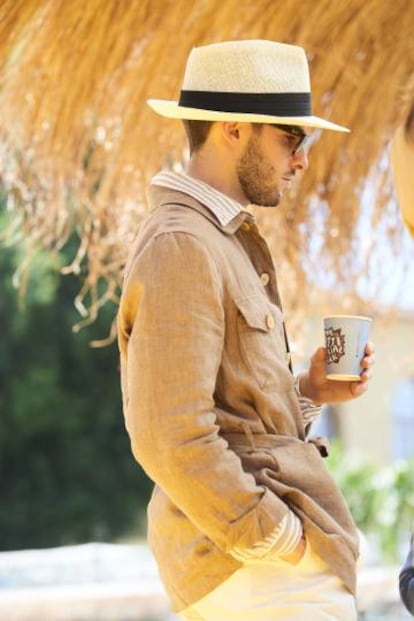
[197, 133]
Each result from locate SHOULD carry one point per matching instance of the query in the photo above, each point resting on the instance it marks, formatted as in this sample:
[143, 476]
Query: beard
[256, 176]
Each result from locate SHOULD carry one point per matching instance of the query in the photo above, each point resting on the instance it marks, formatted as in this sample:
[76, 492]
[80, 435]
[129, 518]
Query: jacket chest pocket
[262, 342]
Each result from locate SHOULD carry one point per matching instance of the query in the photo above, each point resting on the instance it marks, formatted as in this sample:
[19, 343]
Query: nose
[300, 160]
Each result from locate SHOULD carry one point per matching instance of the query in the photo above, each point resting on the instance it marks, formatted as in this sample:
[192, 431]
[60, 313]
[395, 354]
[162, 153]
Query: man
[245, 522]
[407, 579]
[402, 162]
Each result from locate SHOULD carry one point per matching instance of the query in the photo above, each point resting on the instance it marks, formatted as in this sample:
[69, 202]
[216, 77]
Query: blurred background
[78, 146]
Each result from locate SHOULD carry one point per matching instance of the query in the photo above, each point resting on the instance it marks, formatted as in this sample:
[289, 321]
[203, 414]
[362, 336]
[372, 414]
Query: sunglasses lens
[302, 138]
[302, 144]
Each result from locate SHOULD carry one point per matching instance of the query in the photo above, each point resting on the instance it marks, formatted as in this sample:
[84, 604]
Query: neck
[210, 169]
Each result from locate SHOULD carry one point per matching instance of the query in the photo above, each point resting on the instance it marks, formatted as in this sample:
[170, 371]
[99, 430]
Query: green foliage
[67, 474]
[381, 500]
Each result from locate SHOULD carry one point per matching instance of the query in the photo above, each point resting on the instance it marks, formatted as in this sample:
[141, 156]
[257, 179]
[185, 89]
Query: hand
[296, 556]
[315, 385]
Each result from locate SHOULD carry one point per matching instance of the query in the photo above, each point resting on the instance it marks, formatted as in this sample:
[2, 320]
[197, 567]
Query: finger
[358, 388]
[366, 375]
[368, 361]
[369, 348]
[319, 355]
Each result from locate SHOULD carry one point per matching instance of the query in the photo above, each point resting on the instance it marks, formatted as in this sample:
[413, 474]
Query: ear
[231, 131]
[235, 134]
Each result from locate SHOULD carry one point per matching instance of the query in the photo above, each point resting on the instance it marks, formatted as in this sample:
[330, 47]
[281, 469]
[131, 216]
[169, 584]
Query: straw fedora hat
[254, 81]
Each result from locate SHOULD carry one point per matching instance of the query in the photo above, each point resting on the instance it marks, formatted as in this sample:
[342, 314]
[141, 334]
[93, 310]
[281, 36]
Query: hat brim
[172, 110]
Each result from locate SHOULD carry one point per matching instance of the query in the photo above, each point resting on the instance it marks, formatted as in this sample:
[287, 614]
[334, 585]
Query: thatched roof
[78, 143]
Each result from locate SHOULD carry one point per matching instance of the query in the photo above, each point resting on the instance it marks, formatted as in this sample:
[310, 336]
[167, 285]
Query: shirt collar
[223, 207]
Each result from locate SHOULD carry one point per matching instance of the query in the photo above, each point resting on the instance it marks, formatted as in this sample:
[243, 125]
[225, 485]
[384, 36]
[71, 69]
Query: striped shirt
[222, 206]
[288, 532]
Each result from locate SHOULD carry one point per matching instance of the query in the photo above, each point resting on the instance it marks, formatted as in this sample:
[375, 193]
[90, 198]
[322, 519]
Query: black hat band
[270, 104]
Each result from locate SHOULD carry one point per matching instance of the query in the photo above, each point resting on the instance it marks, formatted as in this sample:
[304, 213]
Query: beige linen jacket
[209, 401]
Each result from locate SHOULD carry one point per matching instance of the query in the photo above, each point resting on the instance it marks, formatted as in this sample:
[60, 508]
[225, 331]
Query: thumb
[317, 366]
[319, 356]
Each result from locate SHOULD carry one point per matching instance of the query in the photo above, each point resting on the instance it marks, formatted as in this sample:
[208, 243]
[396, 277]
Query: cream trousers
[266, 591]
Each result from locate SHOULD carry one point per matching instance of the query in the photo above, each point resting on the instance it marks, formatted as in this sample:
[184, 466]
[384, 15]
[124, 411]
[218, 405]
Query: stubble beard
[256, 177]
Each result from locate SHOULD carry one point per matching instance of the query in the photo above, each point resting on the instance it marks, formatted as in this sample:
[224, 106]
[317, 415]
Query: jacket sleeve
[171, 335]
[407, 581]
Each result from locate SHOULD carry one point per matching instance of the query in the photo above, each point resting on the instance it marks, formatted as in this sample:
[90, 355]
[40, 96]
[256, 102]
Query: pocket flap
[258, 313]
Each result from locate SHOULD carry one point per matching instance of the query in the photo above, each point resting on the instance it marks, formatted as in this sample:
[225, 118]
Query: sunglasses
[302, 137]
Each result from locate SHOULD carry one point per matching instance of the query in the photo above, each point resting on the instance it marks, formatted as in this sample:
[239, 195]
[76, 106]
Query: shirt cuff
[310, 410]
[281, 542]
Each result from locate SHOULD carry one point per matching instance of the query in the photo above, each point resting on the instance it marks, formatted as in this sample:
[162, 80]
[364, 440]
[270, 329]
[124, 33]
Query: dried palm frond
[78, 144]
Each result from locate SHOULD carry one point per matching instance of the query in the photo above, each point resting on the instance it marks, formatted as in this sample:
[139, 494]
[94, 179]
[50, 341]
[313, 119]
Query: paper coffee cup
[345, 339]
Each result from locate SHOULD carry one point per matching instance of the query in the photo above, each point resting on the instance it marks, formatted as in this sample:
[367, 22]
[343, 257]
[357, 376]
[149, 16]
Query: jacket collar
[162, 194]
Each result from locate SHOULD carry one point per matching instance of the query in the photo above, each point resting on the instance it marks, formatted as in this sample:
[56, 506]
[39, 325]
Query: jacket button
[265, 278]
[270, 322]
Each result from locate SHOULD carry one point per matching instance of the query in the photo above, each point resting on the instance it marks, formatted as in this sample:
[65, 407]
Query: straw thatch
[78, 143]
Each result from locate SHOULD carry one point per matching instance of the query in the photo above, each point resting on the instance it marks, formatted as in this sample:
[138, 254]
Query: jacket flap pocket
[258, 312]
